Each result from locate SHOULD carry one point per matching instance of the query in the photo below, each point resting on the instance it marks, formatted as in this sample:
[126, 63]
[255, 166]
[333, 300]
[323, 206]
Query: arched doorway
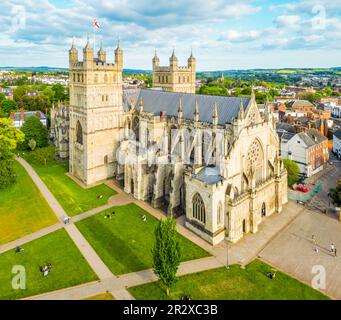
[263, 210]
[132, 190]
[244, 226]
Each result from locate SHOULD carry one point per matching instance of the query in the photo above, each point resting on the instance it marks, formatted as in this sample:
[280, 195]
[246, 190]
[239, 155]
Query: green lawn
[69, 267]
[233, 284]
[124, 242]
[73, 198]
[23, 209]
[103, 296]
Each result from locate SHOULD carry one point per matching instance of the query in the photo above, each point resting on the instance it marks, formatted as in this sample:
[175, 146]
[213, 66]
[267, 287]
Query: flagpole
[93, 28]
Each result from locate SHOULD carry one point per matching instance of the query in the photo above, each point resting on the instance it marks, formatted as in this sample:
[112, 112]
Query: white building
[19, 118]
[337, 143]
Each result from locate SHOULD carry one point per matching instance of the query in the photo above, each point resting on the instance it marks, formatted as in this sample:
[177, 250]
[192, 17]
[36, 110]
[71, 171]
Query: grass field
[23, 209]
[124, 242]
[103, 296]
[69, 267]
[232, 284]
[73, 198]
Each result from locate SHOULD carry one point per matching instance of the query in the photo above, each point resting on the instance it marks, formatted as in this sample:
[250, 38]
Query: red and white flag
[95, 24]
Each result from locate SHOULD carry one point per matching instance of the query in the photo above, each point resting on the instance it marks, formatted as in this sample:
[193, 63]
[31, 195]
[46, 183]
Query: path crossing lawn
[235, 283]
[23, 209]
[72, 197]
[124, 242]
[69, 268]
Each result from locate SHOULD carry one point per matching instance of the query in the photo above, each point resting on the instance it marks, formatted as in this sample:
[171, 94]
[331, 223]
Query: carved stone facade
[214, 159]
[59, 130]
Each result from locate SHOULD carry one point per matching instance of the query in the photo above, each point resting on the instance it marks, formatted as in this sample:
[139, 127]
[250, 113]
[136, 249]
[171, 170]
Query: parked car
[302, 188]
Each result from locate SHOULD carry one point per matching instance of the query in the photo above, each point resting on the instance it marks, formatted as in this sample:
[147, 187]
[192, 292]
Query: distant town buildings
[309, 149]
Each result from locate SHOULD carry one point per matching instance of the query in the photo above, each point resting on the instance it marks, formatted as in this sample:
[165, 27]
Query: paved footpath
[243, 252]
[98, 266]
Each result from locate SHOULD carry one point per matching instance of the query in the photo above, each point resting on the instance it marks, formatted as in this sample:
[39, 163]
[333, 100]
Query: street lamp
[227, 239]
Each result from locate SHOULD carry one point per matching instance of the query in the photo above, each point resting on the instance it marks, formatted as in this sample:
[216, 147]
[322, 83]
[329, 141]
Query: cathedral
[213, 159]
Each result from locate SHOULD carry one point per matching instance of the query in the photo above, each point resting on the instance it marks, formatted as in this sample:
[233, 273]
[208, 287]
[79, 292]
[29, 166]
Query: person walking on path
[332, 247]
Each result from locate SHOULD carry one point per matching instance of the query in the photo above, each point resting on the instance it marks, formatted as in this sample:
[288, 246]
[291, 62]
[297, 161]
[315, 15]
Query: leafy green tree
[8, 106]
[2, 97]
[49, 94]
[9, 139]
[166, 252]
[34, 129]
[293, 171]
[59, 92]
[19, 92]
[3, 114]
[32, 144]
[35, 103]
[41, 156]
[335, 193]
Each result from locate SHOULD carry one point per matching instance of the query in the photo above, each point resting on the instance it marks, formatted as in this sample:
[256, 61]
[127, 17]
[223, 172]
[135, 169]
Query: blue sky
[224, 34]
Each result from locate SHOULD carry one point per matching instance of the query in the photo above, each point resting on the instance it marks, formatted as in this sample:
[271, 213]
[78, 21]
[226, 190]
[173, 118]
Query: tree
[49, 94]
[166, 252]
[9, 139]
[8, 106]
[32, 144]
[59, 92]
[335, 193]
[41, 156]
[19, 92]
[35, 103]
[293, 171]
[34, 129]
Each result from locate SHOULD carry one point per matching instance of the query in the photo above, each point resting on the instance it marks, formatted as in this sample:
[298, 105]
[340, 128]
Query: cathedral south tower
[174, 78]
[96, 113]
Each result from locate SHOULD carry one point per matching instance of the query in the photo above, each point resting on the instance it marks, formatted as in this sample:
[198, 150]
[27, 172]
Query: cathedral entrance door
[263, 210]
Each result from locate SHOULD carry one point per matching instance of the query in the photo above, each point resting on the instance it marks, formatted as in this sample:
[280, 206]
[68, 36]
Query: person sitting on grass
[271, 275]
[19, 249]
[144, 218]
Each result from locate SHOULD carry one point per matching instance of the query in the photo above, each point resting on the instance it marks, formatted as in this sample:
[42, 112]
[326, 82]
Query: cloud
[236, 36]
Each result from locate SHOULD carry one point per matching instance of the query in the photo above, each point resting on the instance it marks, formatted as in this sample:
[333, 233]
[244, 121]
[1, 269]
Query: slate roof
[300, 103]
[28, 114]
[156, 101]
[209, 175]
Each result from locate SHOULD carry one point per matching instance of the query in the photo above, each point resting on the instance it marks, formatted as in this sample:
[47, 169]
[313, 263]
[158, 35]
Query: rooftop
[167, 102]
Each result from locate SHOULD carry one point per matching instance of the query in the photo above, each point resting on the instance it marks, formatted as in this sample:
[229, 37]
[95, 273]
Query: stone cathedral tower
[174, 78]
[96, 113]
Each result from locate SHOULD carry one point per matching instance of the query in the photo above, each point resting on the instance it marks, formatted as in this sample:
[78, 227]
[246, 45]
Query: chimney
[22, 115]
[12, 116]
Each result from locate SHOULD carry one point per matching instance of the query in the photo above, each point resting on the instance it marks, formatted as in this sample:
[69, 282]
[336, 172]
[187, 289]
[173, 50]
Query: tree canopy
[34, 129]
[166, 252]
[9, 139]
[293, 171]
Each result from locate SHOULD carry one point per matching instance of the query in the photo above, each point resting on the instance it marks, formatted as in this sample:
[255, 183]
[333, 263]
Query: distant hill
[46, 69]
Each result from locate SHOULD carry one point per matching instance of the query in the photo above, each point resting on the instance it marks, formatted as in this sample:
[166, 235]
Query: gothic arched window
[79, 133]
[199, 212]
[219, 214]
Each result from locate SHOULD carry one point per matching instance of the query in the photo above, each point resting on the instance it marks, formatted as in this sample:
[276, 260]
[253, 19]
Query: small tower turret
[156, 61]
[180, 111]
[73, 55]
[191, 62]
[215, 118]
[102, 56]
[241, 110]
[88, 53]
[119, 55]
[173, 60]
[196, 115]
